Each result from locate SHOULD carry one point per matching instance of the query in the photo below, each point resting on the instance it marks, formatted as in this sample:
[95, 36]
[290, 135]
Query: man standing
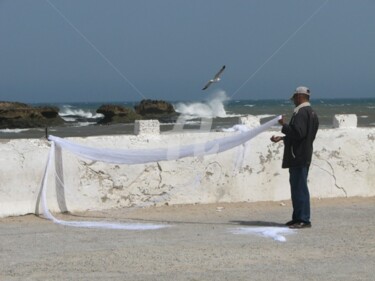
[298, 147]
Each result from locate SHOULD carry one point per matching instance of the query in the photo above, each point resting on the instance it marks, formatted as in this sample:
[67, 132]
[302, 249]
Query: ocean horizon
[81, 117]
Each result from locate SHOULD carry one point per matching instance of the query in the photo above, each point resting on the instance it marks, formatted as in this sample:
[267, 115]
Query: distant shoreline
[83, 116]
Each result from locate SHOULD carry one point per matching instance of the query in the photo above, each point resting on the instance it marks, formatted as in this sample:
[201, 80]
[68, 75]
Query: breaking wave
[13, 130]
[70, 114]
[211, 108]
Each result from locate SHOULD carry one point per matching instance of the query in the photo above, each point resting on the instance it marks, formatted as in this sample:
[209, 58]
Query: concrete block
[250, 121]
[150, 127]
[345, 121]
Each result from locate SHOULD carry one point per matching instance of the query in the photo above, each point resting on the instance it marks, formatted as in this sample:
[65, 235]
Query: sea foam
[13, 130]
[212, 107]
[70, 114]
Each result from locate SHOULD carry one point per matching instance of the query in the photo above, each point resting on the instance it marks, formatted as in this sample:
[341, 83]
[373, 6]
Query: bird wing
[217, 75]
[207, 85]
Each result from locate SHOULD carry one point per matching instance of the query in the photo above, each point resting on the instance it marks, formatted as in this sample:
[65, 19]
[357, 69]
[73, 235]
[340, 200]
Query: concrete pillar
[150, 127]
[250, 121]
[345, 121]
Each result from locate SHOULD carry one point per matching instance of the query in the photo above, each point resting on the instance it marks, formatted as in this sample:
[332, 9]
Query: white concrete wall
[343, 165]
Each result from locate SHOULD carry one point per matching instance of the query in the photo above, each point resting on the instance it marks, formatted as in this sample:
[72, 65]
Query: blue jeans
[300, 193]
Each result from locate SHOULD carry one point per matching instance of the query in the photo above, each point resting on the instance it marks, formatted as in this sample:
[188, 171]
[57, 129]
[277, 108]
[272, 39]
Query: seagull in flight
[215, 79]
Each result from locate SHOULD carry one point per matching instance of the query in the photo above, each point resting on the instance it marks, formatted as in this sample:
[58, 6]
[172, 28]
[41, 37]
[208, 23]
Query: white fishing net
[141, 156]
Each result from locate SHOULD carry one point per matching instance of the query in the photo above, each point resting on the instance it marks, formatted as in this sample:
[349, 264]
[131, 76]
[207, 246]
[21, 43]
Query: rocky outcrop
[156, 109]
[19, 115]
[117, 114]
[146, 107]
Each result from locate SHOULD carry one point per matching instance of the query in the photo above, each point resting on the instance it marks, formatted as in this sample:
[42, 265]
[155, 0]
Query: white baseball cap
[301, 90]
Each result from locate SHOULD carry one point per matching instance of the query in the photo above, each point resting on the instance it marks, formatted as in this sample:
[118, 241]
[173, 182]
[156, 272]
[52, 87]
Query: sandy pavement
[199, 244]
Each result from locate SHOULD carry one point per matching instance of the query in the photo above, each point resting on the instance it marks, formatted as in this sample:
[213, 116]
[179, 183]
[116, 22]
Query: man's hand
[281, 120]
[276, 138]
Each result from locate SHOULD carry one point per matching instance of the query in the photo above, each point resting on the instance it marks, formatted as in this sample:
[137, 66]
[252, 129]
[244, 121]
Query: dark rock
[19, 115]
[156, 109]
[146, 107]
[49, 111]
[117, 114]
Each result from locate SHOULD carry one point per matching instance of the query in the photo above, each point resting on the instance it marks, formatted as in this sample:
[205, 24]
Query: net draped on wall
[140, 156]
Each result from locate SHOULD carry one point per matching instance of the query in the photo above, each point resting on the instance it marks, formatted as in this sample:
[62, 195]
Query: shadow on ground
[258, 223]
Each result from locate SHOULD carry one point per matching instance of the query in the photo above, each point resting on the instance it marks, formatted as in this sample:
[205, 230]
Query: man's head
[301, 95]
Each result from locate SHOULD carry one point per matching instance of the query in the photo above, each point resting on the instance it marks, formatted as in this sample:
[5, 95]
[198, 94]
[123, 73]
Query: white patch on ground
[276, 233]
[109, 225]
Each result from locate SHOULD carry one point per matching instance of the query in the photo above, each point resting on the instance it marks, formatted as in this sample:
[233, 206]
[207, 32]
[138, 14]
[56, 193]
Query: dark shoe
[299, 225]
[289, 223]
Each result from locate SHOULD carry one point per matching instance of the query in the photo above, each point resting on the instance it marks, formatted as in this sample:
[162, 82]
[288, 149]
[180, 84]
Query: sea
[218, 111]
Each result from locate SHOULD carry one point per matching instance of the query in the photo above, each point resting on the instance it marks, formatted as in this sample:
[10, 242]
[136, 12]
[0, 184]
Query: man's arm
[298, 129]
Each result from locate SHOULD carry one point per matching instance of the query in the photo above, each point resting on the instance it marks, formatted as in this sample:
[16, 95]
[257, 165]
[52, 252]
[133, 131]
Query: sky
[118, 50]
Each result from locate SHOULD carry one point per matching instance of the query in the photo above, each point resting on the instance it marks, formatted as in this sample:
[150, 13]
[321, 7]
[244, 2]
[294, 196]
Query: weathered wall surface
[343, 165]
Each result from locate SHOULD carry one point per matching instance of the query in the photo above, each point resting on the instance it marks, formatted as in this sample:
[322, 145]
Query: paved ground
[198, 245]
